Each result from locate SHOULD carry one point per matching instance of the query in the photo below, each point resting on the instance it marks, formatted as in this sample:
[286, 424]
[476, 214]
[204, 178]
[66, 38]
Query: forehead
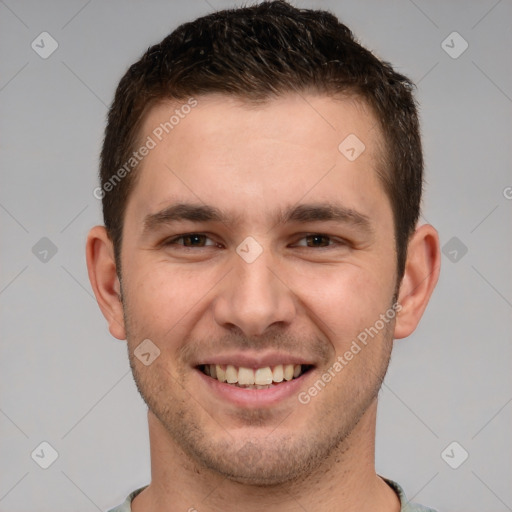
[224, 151]
[303, 119]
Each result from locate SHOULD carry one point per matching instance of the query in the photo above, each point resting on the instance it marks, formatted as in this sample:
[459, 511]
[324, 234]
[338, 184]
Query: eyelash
[333, 242]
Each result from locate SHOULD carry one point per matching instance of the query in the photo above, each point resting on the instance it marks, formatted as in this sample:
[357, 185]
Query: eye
[192, 240]
[316, 240]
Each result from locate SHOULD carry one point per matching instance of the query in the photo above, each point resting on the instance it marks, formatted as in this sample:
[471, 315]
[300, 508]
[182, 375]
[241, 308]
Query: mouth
[254, 378]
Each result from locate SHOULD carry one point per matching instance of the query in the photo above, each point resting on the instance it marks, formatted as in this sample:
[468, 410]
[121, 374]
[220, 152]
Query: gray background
[66, 381]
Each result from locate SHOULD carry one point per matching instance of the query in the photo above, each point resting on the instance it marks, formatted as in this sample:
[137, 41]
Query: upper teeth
[247, 376]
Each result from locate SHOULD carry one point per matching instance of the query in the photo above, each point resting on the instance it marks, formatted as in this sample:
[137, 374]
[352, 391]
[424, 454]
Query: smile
[254, 378]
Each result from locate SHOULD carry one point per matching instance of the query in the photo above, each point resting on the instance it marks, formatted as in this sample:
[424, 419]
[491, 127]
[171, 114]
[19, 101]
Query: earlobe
[101, 267]
[420, 278]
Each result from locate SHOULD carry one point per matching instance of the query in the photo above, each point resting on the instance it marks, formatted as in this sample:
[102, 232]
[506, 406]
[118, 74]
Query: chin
[261, 463]
[260, 475]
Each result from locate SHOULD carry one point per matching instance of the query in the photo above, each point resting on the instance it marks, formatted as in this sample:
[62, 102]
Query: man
[261, 177]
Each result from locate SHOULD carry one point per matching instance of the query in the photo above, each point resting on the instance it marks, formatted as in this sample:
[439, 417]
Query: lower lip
[254, 398]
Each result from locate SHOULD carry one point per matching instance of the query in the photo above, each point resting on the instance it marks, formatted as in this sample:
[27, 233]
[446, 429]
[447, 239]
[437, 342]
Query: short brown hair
[257, 53]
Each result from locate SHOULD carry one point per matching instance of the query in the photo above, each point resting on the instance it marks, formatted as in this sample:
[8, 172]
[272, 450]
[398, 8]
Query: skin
[305, 296]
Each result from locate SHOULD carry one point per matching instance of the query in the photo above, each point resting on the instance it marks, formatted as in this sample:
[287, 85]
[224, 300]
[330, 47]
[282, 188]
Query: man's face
[282, 253]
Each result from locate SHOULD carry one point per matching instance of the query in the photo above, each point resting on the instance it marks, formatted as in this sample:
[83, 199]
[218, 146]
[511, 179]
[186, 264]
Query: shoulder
[126, 506]
[406, 505]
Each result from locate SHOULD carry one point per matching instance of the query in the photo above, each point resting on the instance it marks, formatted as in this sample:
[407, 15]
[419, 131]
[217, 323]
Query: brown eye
[317, 241]
[194, 240]
[191, 240]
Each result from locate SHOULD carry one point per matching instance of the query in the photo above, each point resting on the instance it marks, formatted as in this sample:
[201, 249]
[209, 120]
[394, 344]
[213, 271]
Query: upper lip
[253, 359]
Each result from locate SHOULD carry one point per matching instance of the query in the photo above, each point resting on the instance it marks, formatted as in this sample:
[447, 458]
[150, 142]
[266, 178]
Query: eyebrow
[183, 211]
[302, 213]
[325, 212]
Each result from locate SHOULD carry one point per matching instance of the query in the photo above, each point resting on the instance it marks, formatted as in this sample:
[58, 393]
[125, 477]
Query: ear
[420, 278]
[101, 267]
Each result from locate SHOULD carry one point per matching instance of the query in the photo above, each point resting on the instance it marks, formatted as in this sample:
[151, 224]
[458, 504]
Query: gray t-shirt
[406, 506]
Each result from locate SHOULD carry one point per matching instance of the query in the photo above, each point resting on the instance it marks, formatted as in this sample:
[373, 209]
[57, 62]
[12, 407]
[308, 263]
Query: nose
[254, 297]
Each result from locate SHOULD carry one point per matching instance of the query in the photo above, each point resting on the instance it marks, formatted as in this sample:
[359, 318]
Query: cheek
[159, 295]
[346, 299]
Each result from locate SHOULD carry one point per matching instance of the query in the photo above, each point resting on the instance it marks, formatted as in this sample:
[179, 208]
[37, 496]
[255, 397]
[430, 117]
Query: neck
[346, 481]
